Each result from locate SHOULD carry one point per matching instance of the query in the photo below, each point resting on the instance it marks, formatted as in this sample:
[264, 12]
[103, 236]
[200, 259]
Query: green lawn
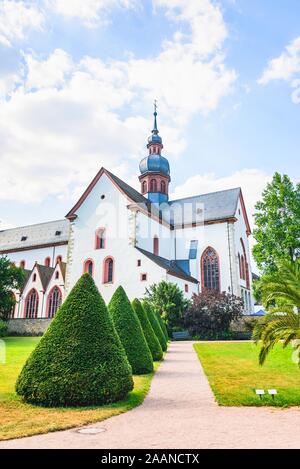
[18, 419]
[234, 373]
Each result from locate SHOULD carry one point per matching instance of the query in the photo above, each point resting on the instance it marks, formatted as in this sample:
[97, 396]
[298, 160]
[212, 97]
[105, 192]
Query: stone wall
[28, 327]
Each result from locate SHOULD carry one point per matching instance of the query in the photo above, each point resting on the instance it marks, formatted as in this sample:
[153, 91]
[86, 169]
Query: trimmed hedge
[149, 333]
[80, 360]
[162, 325]
[155, 325]
[130, 332]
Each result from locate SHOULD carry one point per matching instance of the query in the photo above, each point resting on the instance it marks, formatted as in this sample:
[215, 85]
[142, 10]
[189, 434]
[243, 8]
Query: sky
[78, 81]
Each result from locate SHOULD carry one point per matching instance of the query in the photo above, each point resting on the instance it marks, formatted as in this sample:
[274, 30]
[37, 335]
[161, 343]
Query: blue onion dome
[156, 164]
[154, 138]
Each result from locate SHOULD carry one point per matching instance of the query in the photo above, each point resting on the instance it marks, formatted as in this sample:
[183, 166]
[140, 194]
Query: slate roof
[216, 205]
[63, 267]
[132, 193]
[170, 266]
[34, 235]
[45, 274]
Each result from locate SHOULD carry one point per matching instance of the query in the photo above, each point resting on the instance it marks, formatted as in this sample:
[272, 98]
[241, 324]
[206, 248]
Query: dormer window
[23, 238]
[57, 233]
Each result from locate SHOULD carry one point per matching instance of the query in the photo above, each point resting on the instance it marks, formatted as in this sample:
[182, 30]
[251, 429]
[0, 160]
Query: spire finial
[155, 130]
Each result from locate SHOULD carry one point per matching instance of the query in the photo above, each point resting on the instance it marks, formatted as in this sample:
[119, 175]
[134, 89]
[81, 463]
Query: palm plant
[281, 297]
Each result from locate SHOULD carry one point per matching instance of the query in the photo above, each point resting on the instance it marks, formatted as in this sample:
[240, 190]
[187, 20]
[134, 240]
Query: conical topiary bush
[130, 332]
[155, 325]
[80, 359]
[149, 333]
[162, 325]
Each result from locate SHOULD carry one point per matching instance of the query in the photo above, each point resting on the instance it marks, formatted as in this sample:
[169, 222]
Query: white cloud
[48, 73]
[285, 66]
[91, 12]
[67, 118]
[16, 20]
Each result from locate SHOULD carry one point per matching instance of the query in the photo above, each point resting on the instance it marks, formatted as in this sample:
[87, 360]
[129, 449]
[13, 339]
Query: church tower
[155, 169]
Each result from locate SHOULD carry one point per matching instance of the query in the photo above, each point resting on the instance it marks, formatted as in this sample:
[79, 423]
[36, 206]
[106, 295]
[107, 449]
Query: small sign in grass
[234, 374]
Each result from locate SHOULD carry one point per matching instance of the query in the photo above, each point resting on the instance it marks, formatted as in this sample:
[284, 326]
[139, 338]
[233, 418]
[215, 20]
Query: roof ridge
[34, 224]
[206, 193]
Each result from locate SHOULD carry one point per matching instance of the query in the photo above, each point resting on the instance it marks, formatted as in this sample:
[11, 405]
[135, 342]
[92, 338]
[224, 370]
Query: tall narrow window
[155, 245]
[144, 187]
[31, 305]
[243, 276]
[54, 301]
[245, 267]
[47, 262]
[163, 187]
[108, 271]
[210, 270]
[100, 238]
[58, 259]
[153, 185]
[22, 264]
[88, 267]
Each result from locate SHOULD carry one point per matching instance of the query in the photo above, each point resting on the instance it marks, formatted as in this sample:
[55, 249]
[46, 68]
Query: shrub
[80, 359]
[149, 333]
[169, 300]
[3, 328]
[130, 332]
[162, 325]
[212, 313]
[155, 325]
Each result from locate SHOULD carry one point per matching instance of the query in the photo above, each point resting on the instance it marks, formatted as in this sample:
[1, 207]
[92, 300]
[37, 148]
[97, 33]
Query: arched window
[58, 259]
[153, 185]
[108, 270]
[155, 245]
[210, 270]
[31, 305]
[243, 267]
[54, 301]
[47, 262]
[163, 187]
[22, 264]
[88, 267]
[100, 238]
[144, 187]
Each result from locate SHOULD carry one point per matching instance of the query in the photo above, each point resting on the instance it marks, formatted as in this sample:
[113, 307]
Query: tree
[155, 324]
[80, 360]
[211, 314]
[277, 220]
[130, 332]
[152, 340]
[11, 278]
[168, 299]
[281, 296]
[162, 325]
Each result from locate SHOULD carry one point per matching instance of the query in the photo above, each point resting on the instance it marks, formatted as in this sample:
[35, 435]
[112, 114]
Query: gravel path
[180, 412]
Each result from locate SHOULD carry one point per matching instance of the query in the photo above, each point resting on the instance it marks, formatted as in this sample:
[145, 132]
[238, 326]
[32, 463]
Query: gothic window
[153, 185]
[210, 270]
[108, 270]
[163, 187]
[100, 239]
[155, 245]
[144, 187]
[31, 304]
[54, 301]
[47, 262]
[88, 267]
